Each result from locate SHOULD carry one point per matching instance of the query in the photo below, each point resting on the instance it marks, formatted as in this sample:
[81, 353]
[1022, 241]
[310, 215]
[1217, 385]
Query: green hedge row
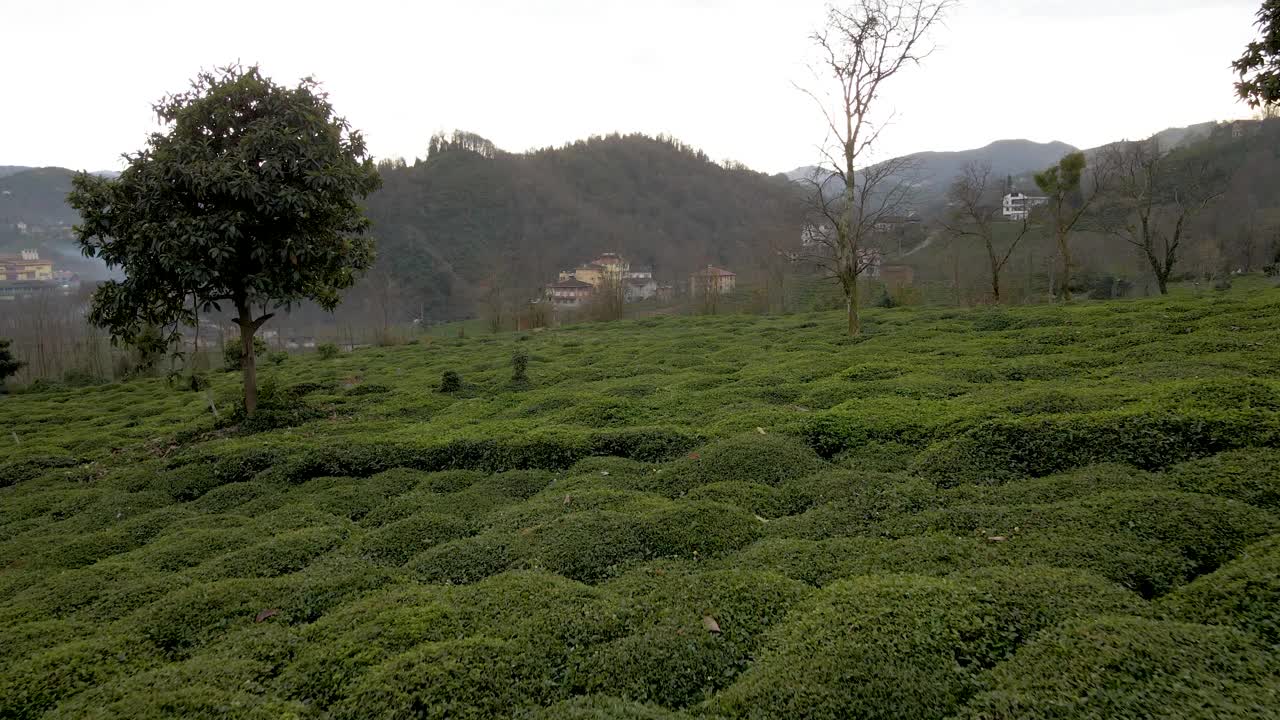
[550, 452]
[999, 450]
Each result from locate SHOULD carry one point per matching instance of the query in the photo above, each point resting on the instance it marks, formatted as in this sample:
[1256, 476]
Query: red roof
[711, 271]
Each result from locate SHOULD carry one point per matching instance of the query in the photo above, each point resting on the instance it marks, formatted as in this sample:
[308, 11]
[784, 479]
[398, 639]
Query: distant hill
[452, 224]
[36, 196]
[935, 171]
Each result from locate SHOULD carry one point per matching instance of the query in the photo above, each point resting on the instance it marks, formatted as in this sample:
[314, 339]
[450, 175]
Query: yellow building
[25, 266]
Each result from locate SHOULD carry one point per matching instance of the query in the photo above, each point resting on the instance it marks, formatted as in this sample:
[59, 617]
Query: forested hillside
[470, 216]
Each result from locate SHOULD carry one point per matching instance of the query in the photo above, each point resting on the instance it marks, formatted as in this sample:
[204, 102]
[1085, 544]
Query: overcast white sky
[79, 76]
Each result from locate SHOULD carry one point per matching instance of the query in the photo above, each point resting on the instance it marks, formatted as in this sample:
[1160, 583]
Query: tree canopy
[252, 196]
[1259, 66]
[8, 364]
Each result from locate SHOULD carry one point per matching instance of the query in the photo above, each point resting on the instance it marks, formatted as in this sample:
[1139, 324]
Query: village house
[570, 293]
[578, 285]
[1018, 205]
[25, 266]
[712, 280]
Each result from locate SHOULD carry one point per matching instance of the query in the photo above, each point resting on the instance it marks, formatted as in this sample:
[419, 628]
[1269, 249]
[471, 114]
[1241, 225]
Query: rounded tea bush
[395, 543]
[1246, 475]
[464, 561]
[1127, 667]
[475, 678]
[1244, 593]
[898, 646]
[764, 459]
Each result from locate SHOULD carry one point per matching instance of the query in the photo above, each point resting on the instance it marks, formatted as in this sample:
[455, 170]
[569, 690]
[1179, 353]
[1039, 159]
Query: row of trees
[1132, 191]
[1135, 191]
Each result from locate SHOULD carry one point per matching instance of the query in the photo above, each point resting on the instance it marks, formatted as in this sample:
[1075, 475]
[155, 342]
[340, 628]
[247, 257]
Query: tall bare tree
[976, 213]
[1153, 198]
[861, 47]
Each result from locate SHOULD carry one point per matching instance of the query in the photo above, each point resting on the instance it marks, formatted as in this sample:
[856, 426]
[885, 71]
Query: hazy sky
[80, 76]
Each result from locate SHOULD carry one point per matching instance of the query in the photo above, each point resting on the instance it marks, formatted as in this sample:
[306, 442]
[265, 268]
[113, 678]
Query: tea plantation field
[1042, 512]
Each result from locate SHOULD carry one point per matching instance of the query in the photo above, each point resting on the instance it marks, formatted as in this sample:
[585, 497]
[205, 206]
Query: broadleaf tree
[250, 198]
[1259, 66]
[1070, 192]
[861, 47]
[9, 365]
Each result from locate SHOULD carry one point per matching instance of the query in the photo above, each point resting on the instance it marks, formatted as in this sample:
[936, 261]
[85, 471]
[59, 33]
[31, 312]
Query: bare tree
[976, 213]
[861, 47]
[1154, 199]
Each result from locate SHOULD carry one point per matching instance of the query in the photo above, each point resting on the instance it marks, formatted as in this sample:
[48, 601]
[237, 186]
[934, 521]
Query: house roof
[712, 271]
[571, 283]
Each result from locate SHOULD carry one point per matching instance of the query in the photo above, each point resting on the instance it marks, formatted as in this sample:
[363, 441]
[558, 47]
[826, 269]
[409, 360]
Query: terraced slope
[1026, 513]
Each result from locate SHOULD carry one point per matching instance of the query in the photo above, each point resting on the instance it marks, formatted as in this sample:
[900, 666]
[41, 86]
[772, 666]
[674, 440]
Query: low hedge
[898, 646]
[1127, 667]
[671, 658]
[1244, 593]
[394, 544]
[1246, 475]
[999, 450]
[601, 707]
[1204, 530]
[547, 452]
[457, 679]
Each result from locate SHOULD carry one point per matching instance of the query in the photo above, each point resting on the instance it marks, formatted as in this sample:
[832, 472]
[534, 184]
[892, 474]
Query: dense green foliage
[1259, 66]
[1046, 512]
[8, 365]
[250, 198]
[469, 218]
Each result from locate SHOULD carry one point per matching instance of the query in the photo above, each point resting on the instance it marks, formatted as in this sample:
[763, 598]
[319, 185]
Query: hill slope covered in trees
[471, 215]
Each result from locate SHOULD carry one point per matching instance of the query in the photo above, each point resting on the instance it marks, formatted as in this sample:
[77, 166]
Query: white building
[1017, 206]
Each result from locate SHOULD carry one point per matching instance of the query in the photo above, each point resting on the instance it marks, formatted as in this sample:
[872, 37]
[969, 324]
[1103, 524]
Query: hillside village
[610, 272]
[26, 273]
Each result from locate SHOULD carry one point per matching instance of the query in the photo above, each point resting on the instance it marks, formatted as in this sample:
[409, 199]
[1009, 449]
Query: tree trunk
[248, 365]
[1065, 253]
[851, 305]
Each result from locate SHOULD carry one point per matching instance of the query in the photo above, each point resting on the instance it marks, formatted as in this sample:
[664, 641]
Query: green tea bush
[765, 459]
[1132, 667]
[1206, 532]
[395, 543]
[31, 686]
[469, 678]
[28, 465]
[674, 659]
[327, 351]
[1244, 593]
[464, 561]
[758, 499]
[601, 707]
[1001, 449]
[900, 645]
[520, 366]
[450, 382]
[1245, 475]
[587, 546]
[233, 351]
[282, 554]
[104, 591]
[821, 562]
